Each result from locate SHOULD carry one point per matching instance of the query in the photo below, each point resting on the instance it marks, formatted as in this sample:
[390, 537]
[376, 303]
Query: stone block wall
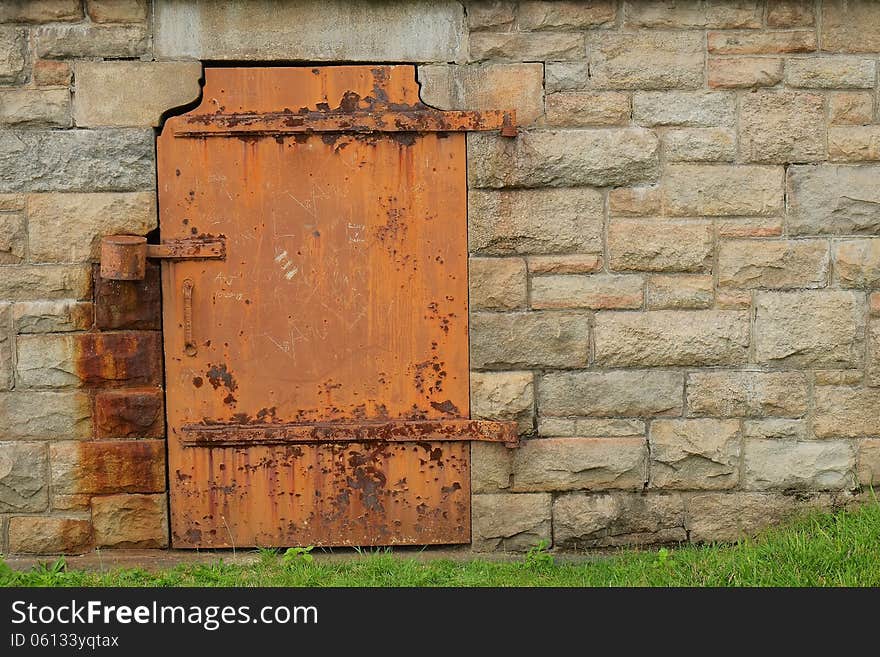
[675, 268]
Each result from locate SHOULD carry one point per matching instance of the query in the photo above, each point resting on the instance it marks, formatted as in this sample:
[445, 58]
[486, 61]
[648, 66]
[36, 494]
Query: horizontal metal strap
[238, 435]
[273, 123]
[189, 249]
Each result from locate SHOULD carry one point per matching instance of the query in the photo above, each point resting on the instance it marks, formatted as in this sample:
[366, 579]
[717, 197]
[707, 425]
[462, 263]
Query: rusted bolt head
[123, 257]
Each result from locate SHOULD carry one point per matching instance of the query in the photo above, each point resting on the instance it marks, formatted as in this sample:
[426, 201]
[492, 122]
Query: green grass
[841, 549]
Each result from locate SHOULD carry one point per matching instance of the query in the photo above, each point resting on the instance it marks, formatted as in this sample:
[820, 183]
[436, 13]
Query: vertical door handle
[189, 344]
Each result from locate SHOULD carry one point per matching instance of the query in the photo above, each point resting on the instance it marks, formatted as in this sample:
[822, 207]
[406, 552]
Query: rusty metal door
[317, 369]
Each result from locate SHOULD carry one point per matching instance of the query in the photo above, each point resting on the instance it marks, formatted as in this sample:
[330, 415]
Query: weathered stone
[734, 515]
[117, 11]
[484, 14]
[266, 30]
[45, 415]
[699, 145]
[112, 93]
[6, 363]
[129, 413]
[532, 339]
[566, 76]
[693, 190]
[535, 221]
[563, 158]
[504, 396]
[694, 454]
[580, 463]
[785, 465]
[88, 40]
[510, 522]
[857, 262]
[564, 264]
[775, 264]
[583, 521]
[635, 201]
[51, 73]
[49, 535]
[13, 238]
[693, 109]
[694, 13]
[838, 377]
[578, 291]
[830, 73]
[850, 26]
[846, 412]
[90, 359]
[648, 59]
[135, 305]
[75, 160]
[667, 337]
[24, 481]
[782, 126]
[850, 108]
[45, 282]
[40, 11]
[766, 42]
[590, 427]
[101, 467]
[610, 394]
[69, 227]
[654, 245]
[747, 394]
[667, 292]
[854, 143]
[809, 329]
[485, 87]
[585, 108]
[130, 521]
[60, 502]
[790, 13]
[749, 227]
[497, 283]
[12, 202]
[491, 467]
[13, 41]
[833, 200]
[776, 429]
[868, 462]
[874, 303]
[544, 15]
[737, 72]
[35, 108]
[524, 46]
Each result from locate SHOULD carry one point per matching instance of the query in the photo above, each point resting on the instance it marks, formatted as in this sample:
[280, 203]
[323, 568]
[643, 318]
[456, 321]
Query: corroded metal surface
[124, 257]
[342, 301]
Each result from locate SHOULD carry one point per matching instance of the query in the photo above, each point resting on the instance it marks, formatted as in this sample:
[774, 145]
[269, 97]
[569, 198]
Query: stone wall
[675, 272]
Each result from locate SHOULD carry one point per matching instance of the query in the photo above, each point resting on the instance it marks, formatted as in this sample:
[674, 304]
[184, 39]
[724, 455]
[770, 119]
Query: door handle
[189, 344]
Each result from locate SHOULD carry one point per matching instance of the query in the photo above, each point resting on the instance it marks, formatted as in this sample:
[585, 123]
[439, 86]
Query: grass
[840, 549]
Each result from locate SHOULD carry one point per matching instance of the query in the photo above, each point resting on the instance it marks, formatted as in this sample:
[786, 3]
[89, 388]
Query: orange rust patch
[130, 466]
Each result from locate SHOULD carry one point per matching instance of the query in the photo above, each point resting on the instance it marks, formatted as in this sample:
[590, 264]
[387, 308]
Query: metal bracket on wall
[124, 257]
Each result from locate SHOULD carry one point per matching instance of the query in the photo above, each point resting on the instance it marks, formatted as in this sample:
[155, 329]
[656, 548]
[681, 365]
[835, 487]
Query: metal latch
[124, 257]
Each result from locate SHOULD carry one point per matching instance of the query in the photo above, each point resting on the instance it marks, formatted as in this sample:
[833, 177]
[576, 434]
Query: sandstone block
[699, 145]
[6, 363]
[635, 201]
[535, 221]
[872, 374]
[565, 76]
[580, 463]
[668, 338]
[694, 190]
[544, 15]
[653, 245]
[129, 413]
[671, 292]
[809, 329]
[117, 11]
[565, 264]
[563, 158]
[694, 454]
[35, 415]
[524, 46]
[510, 522]
[714, 13]
[503, 396]
[35, 108]
[790, 13]
[785, 465]
[128, 304]
[49, 535]
[497, 283]
[595, 291]
[45, 282]
[777, 264]
[747, 394]
[532, 339]
[850, 26]
[857, 262]
[838, 377]
[646, 59]
[868, 462]
[744, 72]
[51, 73]
[830, 73]
[616, 393]
[782, 126]
[850, 108]
[591, 427]
[695, 109]
[130, 521]
[833, 200]
[88, 40]
[585, 108]
[13, 238]
[749, 227]
[101, 467]
[13, 42]
[731, 516]
[854, 143]
[40, 11]
[484, 14]
[764, 42]
[776, 429]
[846, 412]
[491, 467]
[112, 93]
[24, 480]
[582, 521]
